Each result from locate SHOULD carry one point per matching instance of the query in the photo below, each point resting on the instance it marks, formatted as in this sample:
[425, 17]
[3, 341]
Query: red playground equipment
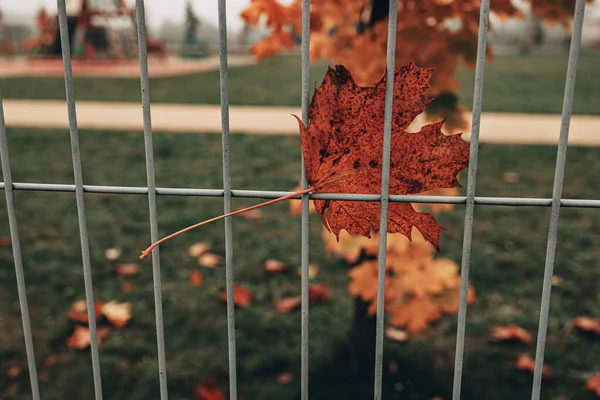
[98, 29]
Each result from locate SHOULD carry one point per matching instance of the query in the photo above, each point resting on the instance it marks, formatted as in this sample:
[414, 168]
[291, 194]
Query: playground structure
[98, 29]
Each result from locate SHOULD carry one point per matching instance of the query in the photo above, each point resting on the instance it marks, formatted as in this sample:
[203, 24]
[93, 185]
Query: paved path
[495, 127]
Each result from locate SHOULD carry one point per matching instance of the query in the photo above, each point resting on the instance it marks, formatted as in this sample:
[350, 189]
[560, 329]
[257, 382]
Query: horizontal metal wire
[273, 194]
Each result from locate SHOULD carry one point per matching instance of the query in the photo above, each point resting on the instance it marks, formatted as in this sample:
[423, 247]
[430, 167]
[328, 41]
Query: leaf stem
[147, 252]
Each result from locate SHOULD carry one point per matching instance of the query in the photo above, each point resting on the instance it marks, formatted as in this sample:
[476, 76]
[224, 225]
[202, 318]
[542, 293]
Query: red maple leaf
[342, 148]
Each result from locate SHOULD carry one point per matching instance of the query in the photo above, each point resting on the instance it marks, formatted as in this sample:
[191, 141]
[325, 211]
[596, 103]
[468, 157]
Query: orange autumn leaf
[197, 249]
[13, 372]
[127, 269]
[273, 266]
[208, 390]
[196, 278]
[593, 384]
[339, 155]
[415, 314]
[242, 297]
[80, 339]
[78, 311]
[210, 260]
[287, 304]
[511, 332]
[318, 294]
[587, 324]
[118, 314]
[526, 363]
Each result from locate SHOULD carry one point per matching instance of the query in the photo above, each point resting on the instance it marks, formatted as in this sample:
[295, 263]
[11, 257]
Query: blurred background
[523, 98]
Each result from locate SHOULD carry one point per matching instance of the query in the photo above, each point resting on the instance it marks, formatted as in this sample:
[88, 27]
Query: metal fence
[556, 202]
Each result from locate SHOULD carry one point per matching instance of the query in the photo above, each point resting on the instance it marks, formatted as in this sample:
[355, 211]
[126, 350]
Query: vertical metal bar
[304, 221]
[556, 196]
[385, 186]
[16, 248]
[227, 199]
[484, 14]
[150, 178]
[83, 232]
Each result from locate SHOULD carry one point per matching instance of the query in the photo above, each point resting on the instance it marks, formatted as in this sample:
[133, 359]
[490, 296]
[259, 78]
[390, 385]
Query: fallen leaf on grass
[208, 390]
[80, 339]
[78, 311]
[118, 314]
[284, 378]
[196, 278]
[557, 280]
[510, 333]
[526, 363]
[210, 260]
[112, 253]
[511, 177]
[252, 215]
[313, 271]
[397, 335]
[4, 241]
[242, 296]
[197, 249]
[287, 304]
[593, 384]
[587, 324]
[273, 266]
[127, 269]
[126, 287]
[13, 372]
[318, 294]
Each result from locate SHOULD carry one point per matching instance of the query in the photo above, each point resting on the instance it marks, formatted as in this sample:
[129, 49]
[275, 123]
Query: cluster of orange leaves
[117, 315]
[423, 35]
[419, 287]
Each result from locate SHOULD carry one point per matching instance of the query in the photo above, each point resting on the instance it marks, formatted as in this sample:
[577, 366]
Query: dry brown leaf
[78, 311]
[112, 253]
[127, 269]
[210, 260]
[511, 177]
[287, 304]
[511, 332]
[273, 266]
[4, 241]
[242, 297]
[196, 278]
[557, 280]
[118, 314]
[593, 384]
[284, 378]
[197, 249]
[587, 324]
[397, 335]
[526, 363]
[126, 286]
[208, 390]
[80, 339]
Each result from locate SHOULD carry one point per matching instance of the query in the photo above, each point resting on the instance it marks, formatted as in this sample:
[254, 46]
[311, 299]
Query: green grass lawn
[507, 268]
[524, 84]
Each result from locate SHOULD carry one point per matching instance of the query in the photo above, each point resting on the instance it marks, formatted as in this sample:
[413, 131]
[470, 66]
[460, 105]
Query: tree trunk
[362, 337]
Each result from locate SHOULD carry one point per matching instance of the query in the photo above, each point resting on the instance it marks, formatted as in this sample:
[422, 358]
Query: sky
[157, 11]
